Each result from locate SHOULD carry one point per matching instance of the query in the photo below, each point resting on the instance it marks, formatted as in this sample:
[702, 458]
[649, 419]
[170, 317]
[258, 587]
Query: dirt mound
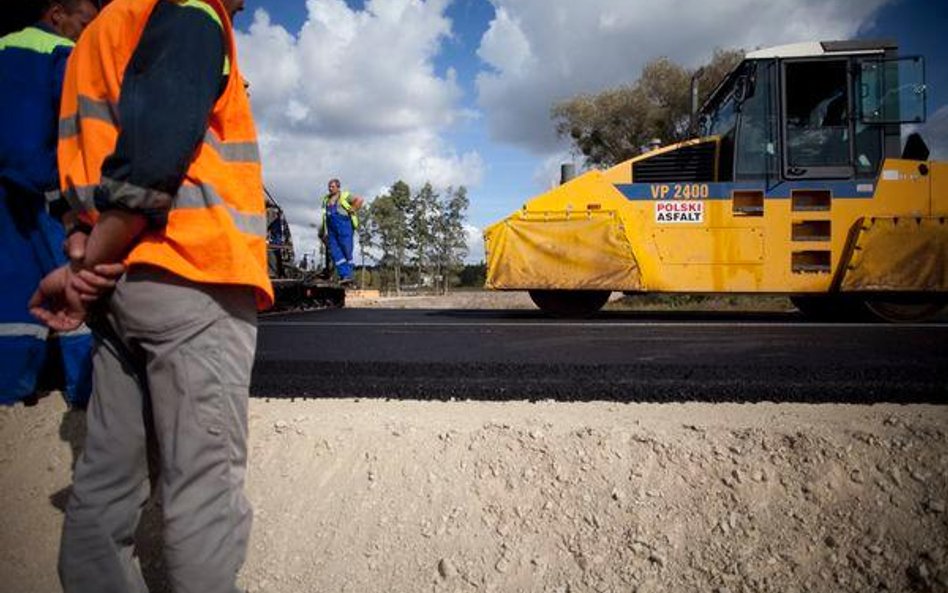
[466, 496]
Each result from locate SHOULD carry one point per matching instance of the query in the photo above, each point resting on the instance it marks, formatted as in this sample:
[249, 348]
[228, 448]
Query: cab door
[891, 92]
[817, 112]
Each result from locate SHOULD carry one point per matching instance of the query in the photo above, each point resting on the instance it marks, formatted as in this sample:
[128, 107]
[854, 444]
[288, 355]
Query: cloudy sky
[458, 92]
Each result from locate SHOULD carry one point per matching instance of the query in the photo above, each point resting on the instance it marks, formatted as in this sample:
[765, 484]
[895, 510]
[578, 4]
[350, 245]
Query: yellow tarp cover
[899, 254]
[556, 250]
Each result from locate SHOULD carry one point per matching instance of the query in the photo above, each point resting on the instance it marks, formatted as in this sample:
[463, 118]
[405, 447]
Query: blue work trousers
[31, 247]
[339, 237]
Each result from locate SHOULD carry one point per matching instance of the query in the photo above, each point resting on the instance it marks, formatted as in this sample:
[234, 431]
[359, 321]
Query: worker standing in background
[340, 220]
[32, 65]
[158, 151]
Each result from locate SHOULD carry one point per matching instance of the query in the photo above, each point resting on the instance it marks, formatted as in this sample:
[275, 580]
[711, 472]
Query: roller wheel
[570, 303]
[831, 308]
[904, 311]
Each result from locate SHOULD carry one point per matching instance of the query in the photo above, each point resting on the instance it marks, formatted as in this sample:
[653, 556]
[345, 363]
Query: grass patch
[699, 302]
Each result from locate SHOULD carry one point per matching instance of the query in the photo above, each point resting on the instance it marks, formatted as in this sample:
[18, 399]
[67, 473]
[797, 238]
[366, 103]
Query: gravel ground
[459, 496]
[483, 299]
[473, 299]
[470, 496]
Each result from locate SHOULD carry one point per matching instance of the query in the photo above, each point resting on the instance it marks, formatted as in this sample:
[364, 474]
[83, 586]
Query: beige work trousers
[171, 364]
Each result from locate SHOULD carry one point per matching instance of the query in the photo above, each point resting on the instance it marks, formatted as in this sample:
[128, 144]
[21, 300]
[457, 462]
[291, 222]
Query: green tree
[473, 275]
[421, 215]
[366, 234]
[450, 238]
[389, 225]
[613, 126]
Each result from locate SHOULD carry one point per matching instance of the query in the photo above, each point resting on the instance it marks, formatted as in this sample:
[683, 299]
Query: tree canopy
[420, 236]
[615, 124]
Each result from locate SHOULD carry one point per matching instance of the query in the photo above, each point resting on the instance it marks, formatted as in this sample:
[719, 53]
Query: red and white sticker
[679, 211]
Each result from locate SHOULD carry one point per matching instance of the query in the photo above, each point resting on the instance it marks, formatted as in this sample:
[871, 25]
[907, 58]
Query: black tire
[570, 303]
[903, 310]
[830, 307]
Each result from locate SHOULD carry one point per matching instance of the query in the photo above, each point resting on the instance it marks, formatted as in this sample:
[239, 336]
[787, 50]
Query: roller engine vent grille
[688, 163]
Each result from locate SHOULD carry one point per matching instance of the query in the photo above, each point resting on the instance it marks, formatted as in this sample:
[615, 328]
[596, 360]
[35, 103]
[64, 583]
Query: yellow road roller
[799, 182]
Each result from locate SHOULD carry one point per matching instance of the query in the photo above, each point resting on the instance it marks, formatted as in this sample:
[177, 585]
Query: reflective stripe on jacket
[216, 228]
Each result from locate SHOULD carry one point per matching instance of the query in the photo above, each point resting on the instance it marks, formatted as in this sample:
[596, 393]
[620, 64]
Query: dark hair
[17, 15]
[336, 181]
[70, 5]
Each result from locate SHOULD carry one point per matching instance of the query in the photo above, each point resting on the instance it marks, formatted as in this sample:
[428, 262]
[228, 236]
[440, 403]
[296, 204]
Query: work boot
[347, 283]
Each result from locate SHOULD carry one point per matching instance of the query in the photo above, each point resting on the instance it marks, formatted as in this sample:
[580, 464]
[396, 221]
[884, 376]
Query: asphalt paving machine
[295, 288]
[799, 182]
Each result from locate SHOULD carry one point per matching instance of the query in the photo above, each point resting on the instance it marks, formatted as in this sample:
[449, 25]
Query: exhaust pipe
[694, 98]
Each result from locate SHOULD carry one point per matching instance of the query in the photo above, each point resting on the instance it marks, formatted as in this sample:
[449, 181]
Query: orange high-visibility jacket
[216, 229]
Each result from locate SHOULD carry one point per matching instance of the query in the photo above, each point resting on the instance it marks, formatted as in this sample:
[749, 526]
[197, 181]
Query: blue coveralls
[32, 65]
[339, 239]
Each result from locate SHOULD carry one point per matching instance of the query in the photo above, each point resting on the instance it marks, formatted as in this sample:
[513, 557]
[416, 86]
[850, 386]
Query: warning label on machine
[671, 211]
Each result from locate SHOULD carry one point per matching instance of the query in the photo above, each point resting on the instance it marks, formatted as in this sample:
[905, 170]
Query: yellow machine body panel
[895, 254]
[565, 241]
[939, 188]
[599, 231]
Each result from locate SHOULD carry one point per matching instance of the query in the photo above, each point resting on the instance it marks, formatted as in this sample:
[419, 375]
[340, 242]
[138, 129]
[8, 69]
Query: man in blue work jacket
[338, 229]
[32, 65]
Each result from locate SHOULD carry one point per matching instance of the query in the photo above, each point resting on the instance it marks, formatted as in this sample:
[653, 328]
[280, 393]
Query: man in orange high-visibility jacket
[158, 155]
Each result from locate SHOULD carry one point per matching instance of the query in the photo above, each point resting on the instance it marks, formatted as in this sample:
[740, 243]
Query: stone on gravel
[447, 569]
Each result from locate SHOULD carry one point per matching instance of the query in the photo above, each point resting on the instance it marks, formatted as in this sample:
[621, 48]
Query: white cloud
[504, 45]
[549, 172]
[475, 244]
[935, 133]
[354, 94]
[537, 52]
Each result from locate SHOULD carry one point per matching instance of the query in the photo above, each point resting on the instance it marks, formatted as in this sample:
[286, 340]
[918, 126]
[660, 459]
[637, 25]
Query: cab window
[817, 114]
[720, 119]
[756, 140]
